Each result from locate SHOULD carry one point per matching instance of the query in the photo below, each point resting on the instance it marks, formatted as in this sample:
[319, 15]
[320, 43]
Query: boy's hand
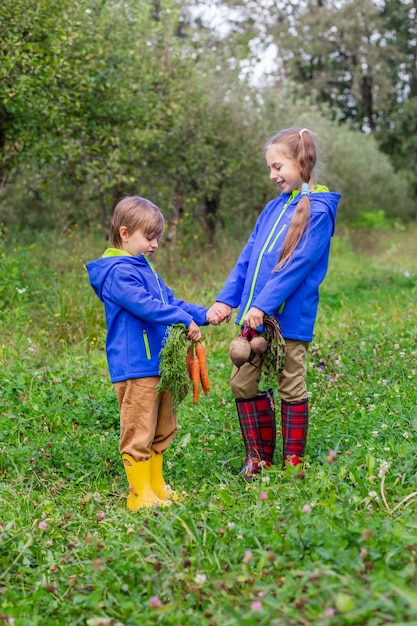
[218, 313]
[194, 332]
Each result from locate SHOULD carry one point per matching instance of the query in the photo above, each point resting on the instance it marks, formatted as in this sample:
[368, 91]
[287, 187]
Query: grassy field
[333, 546]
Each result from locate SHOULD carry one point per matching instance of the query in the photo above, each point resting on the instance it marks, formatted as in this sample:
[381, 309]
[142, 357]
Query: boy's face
[137, 243]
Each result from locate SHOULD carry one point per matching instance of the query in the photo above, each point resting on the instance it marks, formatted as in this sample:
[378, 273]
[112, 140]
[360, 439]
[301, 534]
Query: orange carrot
[188, 359]
[201, 354]
[195, 376]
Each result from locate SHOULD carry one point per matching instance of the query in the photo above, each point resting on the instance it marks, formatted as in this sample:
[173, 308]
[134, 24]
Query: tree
[102, 98]
[91, 92]
[35, 37]
[358, 57]
[132, 104]
[398, 131]
[337, 52]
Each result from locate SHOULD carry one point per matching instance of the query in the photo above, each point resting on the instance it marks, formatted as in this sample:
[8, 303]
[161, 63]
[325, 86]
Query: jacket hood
[329, 200]
[99, 269]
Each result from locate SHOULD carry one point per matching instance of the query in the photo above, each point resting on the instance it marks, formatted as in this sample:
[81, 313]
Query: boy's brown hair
[135, 213]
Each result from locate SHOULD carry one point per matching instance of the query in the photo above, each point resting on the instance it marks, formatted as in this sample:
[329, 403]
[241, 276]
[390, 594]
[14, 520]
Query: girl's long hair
[299, 146]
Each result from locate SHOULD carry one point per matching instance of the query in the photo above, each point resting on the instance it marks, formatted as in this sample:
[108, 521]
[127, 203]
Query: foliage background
[99, 99]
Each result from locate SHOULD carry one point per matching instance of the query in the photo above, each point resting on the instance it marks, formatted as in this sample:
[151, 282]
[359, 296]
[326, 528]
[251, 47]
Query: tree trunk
[174, 218]
[367, 101]
[5, 118]
[211, 215]
[156, 11]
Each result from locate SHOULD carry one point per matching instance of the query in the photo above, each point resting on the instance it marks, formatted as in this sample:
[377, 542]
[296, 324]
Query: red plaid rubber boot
[294, 422]
[258, 426]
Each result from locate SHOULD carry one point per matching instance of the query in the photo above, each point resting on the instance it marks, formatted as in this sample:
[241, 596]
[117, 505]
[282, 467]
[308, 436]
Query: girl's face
[137, 243]
[282, 170]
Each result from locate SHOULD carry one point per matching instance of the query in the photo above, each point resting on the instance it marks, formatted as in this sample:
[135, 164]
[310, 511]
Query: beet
[240, 351]
[258, 345]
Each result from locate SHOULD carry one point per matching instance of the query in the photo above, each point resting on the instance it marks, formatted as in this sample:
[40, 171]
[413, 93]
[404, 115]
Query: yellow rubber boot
[141, 494]
[157, 479]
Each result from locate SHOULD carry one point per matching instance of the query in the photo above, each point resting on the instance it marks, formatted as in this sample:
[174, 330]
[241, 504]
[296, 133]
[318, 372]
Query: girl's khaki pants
[292, 387]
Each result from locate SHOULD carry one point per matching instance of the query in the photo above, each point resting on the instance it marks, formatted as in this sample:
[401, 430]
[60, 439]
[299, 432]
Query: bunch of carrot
[182, 363]
[196, 363]
[174, 377]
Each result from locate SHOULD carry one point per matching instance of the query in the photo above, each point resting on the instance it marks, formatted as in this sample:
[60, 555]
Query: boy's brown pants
[146, 418]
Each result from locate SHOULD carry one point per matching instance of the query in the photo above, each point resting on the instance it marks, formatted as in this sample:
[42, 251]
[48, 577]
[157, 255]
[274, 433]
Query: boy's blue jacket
[292, 293]
[139, 307]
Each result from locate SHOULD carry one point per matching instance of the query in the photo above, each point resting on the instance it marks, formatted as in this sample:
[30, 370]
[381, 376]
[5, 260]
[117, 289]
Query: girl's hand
[254, 318]
[194, 332]
[218, 313]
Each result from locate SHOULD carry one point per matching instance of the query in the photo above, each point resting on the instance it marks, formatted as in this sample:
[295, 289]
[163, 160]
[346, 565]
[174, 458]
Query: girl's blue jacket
[138, 307]
[292, 293]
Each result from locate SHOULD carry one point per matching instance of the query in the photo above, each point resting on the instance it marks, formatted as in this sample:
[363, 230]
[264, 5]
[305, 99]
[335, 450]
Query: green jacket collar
[115, 252]
[316, 189]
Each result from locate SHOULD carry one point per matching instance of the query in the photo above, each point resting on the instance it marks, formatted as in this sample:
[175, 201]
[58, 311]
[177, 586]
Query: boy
[139, 307]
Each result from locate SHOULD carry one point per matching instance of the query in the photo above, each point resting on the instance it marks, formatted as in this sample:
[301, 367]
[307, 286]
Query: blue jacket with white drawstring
[291, 293]
[138, 307]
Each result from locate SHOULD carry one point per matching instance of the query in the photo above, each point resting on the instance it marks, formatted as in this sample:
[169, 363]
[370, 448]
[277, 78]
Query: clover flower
[200, 579]
[248, 556]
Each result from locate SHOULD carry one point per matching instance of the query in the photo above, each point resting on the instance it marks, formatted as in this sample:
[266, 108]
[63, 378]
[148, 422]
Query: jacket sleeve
[198, 313]
[231, 292]
[129, 293]
[309, 250]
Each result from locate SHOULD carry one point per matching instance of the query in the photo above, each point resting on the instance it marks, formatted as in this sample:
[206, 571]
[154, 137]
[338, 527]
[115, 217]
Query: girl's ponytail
[300, 146]
[298, 225]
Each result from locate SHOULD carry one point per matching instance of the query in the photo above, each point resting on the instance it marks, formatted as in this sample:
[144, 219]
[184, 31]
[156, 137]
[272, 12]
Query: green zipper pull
[146, 342]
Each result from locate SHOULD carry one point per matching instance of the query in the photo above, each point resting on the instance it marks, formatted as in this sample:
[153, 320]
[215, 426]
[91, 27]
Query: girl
[139, 307]
[278, 273]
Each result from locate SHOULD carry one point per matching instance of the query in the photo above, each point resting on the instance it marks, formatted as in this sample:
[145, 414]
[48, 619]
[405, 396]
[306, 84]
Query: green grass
[333, 546]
